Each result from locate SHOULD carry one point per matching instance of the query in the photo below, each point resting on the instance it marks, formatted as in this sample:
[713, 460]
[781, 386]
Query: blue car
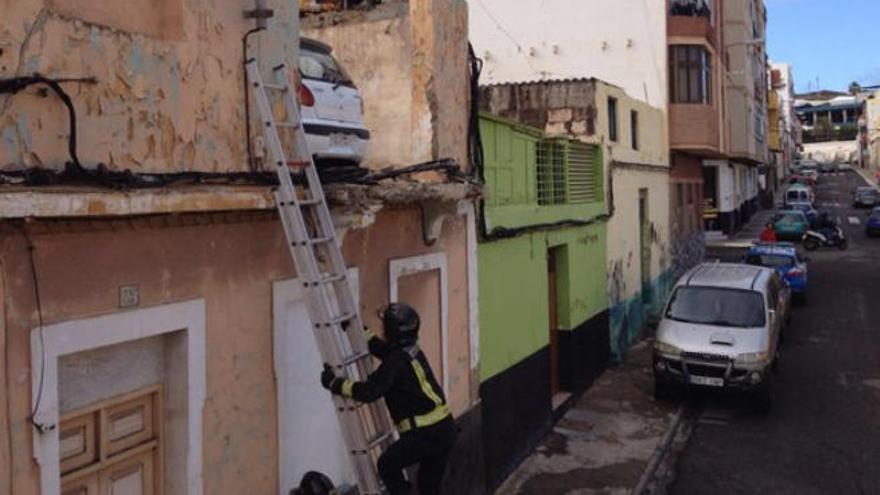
[785, 259]
[872, 227]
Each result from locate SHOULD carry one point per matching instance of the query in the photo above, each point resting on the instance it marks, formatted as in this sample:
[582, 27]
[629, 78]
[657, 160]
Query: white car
[721, 330]
[332, 108]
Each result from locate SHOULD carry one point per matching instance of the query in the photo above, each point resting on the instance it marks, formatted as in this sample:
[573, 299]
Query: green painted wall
[514, 314]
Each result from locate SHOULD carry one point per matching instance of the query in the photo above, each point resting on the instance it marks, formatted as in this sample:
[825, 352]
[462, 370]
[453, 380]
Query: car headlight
[753, 358]
[667, 349]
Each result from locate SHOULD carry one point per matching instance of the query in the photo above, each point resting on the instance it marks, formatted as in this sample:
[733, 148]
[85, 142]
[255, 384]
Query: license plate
[707, 381]
[340, 140]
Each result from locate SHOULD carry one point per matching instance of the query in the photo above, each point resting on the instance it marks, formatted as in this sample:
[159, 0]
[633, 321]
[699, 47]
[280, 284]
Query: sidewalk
[606, 440]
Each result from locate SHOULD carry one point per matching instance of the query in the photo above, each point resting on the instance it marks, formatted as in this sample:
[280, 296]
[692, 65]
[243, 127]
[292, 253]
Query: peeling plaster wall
[169, 95]
[410, 64]
[232, 266]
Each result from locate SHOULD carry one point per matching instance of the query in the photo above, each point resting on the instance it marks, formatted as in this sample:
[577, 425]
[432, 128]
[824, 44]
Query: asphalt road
[823, 434]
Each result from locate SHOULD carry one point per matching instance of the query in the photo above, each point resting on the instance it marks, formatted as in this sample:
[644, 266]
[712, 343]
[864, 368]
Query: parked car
[721, 330]
[785, 259]
[332, 108]
[827, 168]
[791, 225]
[866, 197]
[872, 226]
[797, 193]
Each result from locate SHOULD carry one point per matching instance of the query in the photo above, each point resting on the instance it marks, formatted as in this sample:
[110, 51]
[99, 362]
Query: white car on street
[721, 330]
[332, 108]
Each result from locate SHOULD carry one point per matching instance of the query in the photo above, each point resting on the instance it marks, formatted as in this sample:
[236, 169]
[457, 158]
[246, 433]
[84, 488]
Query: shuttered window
[568, 172]
[113, 447]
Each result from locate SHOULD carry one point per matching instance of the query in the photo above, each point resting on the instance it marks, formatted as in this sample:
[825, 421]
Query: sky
[836, 41]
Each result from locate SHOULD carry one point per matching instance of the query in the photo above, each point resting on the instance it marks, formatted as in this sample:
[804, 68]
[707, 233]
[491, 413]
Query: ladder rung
[378, 439]
[341, 319]
[331, 279]
[275, 87]
[354, 358]
[320, 240]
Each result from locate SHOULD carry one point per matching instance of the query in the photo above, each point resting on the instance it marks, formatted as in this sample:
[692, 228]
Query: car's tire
[763, 399]
[811, 244]
[664, 392]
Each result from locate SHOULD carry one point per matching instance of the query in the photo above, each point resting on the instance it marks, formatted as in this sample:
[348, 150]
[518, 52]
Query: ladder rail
[337, 324]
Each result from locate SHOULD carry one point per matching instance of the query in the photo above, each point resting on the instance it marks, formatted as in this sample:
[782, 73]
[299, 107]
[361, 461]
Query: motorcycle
[830, 237]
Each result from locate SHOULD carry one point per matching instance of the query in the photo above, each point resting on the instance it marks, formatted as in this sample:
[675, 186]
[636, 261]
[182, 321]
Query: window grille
[551, 172]
[568, 172]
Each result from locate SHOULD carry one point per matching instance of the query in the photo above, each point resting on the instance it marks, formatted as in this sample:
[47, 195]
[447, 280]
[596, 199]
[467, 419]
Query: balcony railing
[690, 8]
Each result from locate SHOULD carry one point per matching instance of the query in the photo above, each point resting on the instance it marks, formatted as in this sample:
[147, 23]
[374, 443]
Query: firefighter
[414, 399]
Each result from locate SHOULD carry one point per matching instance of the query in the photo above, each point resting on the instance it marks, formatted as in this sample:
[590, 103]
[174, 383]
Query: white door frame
[70, 337]
[425, 263]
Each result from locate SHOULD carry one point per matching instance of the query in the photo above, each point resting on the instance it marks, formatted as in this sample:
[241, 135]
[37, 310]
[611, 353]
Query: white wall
[621, 42]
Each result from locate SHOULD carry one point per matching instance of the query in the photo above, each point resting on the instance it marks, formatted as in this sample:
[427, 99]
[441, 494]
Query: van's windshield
[717, 306]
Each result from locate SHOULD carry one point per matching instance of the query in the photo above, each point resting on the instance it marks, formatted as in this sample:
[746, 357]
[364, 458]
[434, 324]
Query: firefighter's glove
[330, 381]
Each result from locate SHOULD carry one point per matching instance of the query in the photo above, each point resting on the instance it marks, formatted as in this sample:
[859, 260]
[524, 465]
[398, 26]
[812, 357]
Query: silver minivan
[721, 329]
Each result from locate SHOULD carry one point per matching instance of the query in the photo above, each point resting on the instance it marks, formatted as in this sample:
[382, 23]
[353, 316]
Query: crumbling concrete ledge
[77, 201]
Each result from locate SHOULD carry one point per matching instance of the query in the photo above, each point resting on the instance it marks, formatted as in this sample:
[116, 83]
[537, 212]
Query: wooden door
[553, 308]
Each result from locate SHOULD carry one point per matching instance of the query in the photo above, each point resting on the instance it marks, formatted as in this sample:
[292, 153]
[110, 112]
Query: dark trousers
[429, 448]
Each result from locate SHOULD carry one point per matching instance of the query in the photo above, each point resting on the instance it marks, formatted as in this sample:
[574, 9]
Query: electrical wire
[247, 101]
[16, 84]
[475, 139]
[36, 282]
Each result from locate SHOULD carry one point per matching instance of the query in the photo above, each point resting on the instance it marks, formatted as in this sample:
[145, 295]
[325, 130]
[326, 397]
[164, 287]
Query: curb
[660, 452]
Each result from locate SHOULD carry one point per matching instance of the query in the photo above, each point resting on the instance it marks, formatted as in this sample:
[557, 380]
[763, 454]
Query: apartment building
[697, 119]
[155, 334]
[784, 137]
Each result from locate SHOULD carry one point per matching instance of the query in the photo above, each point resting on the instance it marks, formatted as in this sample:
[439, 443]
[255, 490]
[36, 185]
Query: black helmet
[315, 483]
[401, 323]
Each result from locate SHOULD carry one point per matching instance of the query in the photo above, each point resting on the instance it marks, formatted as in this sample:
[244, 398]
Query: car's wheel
[763, 399]
[664, 392]
[811, 244]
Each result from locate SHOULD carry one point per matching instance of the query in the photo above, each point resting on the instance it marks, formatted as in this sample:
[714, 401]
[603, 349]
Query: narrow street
[821, 436]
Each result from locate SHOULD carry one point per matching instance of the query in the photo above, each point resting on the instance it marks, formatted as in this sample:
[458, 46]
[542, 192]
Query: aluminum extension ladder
[338, 327]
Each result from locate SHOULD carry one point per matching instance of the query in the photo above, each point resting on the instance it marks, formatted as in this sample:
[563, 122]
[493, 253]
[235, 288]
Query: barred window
[568, 172]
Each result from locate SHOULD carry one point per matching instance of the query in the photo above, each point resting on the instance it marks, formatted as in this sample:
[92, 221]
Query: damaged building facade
[543, 306]
[155, 337]
[606, 83]
[635, 161]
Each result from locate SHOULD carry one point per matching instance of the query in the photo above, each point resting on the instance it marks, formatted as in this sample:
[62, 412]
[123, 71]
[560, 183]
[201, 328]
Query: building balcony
[681, 23]
[695, 128]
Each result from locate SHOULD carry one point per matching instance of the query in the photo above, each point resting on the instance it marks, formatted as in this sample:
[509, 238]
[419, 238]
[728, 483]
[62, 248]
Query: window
[568, 172]
[691, 70]
[717, 306]
[612, 119]
[634, 128]
[113, 446]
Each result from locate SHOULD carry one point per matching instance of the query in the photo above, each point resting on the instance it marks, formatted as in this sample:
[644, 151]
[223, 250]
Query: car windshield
[321, 66]
[717, 306]
[791, 217]
[769, 260]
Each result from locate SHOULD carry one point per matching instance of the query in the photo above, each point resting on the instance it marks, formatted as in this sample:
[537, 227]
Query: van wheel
[763, 399]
